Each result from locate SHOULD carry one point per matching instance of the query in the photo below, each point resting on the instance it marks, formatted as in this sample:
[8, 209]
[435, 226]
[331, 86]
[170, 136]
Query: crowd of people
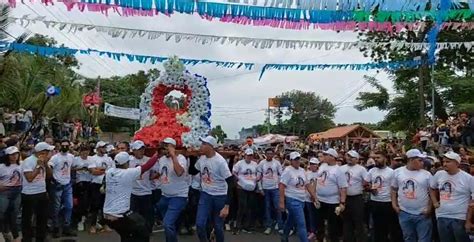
[383, 194]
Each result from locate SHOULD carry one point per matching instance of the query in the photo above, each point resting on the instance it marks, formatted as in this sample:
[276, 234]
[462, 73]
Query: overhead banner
[121, 112]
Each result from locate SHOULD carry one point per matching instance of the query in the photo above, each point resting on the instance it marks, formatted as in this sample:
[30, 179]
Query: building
[350, 136]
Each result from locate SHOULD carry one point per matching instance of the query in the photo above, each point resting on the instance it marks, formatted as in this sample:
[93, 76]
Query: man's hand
[171, 151]
[427, 212]
[282, 206]
[339, 209]
[396, 208]
[468, 226]
[224, 212]
[436, 205]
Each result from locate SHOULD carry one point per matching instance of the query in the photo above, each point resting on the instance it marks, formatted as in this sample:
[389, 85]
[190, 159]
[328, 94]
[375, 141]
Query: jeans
[62, 199]
[143, 205]
[295, 217]
[415, 228]
[246, 208]
[210, 205]
[131, 228]
[35, 204]
[171, 208]
[334, 222]
[272, 199]
[353, 220]
[452, 230]
[311, 213]
[385, 222]
[10, 201]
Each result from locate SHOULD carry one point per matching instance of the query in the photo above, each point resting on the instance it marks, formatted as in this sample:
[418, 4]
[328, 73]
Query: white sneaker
[268, 231]
[227, 227]
[292, 232]
[280, 231]
[80, 226]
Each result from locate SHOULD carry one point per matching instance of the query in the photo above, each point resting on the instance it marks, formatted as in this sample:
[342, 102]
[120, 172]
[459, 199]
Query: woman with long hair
[10, 194]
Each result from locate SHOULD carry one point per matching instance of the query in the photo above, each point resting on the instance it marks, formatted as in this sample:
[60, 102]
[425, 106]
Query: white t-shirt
[118, 190]
[61, 165]
[155, 182]
[38, 185]
[295, 182]
[103, 162]
[381, 180]
[141, 186]
[173, 185]
[10, 176]
[330, 180]
[82, 175]
[214, 171]
[455, 192]
[270, 172]
[196, 182]
[246, 174]
[413, 189]
[310, 177]
[354, 176]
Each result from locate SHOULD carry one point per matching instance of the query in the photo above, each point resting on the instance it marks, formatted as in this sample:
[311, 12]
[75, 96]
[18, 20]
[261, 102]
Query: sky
[238, 97]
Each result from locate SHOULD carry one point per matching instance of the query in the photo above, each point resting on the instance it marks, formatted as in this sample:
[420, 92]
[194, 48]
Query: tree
[307, 113]
[219, 133]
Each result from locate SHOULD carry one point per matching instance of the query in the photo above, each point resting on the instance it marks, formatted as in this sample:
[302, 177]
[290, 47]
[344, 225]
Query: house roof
[340, 132]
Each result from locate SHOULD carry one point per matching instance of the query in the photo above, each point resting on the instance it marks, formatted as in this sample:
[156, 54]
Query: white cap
[314, 160]
[100, 144]
[415, 153]
[170, 141]
[452, 156]
[353, 154]
[109, 148]
[122, 158]
[42, 146]
[248, 151]
[137, 144]
[210, 141]
[331, 152]
[11, 150]
[294, 155]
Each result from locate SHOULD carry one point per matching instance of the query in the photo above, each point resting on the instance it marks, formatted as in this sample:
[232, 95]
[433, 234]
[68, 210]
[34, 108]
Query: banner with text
[121, 112]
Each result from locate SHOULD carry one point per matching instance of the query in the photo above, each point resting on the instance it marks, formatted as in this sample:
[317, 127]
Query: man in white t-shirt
[34, 198]
[246, 173]
[216, 180]
[141, 200]
[411, 200]
[385, 219]
[173, 170]
[81, 186]
[100, 163]
[331, 188]
[353, 216]
[61, 164]
[129, 225]
[269, 172]
[454, 187]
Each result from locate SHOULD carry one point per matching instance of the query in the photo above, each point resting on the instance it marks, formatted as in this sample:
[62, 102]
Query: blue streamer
[432, 35]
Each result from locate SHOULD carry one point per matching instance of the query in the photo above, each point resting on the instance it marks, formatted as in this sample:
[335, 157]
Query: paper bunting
[118, 32]
[62, 51]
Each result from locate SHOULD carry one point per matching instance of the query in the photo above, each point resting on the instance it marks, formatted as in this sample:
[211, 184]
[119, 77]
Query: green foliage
[219, 133]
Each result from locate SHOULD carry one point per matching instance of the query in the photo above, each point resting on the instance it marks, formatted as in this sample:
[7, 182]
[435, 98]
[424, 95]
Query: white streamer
[260, 43]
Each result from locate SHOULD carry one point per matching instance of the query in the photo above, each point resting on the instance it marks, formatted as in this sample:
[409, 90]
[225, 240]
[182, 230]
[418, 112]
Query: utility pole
[433, 86]
[421, 88]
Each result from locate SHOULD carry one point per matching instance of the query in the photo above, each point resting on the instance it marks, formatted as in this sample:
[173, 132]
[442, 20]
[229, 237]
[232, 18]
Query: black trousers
[37, 205]
[353, 220]
[96, 202]
[188, 217]
[143, 205]
[386, 225]
[131, 228]
[246, 208]
[156, 196]
[334, 222]
[81, 208]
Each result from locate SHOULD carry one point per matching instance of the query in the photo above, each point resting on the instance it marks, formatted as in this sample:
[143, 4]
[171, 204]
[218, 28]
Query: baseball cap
[109, 148]
[249, 151]
[353, 154]
[331, 152]
[100, 144]
[452, 156]
[294, 155]
[122, 158]
[170, 141]
[210, 141]
[415, 153]
[137, 144]
[314, 161]
[42, 146]
[11, 150]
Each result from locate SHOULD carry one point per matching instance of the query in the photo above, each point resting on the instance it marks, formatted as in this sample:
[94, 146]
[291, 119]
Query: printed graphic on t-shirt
[164, 175]
[206, 176]
[378, 183]
[348, 177]
[65, 169]
[269, 173]
[14, 179]
[248, 174]
[40, 176]
[408, 189]
[300, 183]
[322, 178]
[103, 165]
[446, 190]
